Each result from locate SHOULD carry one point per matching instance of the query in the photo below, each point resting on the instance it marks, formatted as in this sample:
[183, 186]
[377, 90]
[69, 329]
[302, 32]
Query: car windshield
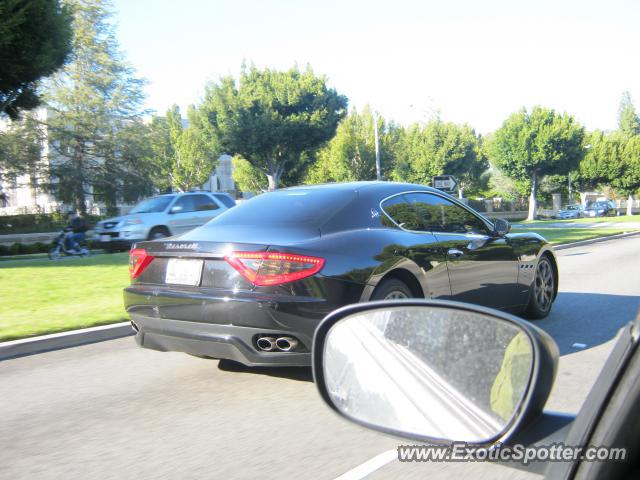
[311, 207]
[153, 205]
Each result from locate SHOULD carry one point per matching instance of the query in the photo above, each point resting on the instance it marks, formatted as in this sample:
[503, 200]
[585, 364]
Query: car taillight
[272, 268]
[139, 259]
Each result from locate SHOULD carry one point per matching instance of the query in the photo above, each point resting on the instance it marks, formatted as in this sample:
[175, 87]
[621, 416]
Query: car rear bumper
[225, 324]
[216, 341]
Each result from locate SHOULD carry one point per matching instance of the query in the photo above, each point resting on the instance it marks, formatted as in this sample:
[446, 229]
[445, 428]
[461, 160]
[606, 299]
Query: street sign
[446, 183]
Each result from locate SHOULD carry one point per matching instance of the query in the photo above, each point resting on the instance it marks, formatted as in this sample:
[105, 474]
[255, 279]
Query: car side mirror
[501, 227]
[434, 371]
[175, 209]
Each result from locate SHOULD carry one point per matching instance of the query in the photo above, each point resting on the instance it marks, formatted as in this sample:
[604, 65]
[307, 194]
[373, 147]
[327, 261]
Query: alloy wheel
[544, 284]
[396, 295]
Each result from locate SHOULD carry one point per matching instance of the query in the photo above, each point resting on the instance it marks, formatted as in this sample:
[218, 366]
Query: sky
[466, 61]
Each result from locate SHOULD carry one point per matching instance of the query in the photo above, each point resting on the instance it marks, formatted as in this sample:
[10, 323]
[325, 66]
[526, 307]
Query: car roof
[173, 194]
[369, 186]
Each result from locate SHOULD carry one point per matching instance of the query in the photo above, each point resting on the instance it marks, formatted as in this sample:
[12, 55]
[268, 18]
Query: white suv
[161, 216]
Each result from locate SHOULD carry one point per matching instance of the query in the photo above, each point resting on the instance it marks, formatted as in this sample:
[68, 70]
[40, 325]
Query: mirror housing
[380, 408]
[501, 227]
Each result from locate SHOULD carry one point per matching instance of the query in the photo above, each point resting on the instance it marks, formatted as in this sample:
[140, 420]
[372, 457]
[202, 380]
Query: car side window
[183, 204]
[203, 202]
[437, 214]
[402, 213]
[226, 201]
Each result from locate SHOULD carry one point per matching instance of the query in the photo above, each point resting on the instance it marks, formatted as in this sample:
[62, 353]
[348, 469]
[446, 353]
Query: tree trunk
[630, 204]
[273, 179]
[532, 198]
[583, 199]
[570, 189]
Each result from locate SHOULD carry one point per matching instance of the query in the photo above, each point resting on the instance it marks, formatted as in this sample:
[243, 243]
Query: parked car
[253, 284]
[448, 374]
[601, 208]
[570, 211]
[161, 216]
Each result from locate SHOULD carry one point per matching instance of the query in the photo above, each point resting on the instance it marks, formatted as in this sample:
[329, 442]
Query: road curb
[55, 341]
[582, 243]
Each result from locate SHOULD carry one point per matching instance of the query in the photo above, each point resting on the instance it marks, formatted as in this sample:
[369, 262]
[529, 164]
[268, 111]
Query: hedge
[31, 248]
[38, 222]
[24, 248]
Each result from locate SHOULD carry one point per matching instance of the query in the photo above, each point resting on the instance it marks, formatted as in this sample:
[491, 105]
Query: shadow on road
[588, 318]
[302, 374]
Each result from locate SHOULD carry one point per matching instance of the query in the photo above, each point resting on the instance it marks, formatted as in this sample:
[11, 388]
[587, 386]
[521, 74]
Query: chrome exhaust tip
[266, 344]
[286, 344]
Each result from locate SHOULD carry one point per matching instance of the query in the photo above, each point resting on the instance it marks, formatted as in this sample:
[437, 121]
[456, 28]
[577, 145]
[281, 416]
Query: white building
[18, 195]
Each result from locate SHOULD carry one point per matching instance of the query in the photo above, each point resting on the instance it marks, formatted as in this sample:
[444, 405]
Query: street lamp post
[377, 143]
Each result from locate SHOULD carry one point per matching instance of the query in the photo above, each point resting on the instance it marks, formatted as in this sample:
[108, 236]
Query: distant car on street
[601, 208]
[161, 216]
[570, 211]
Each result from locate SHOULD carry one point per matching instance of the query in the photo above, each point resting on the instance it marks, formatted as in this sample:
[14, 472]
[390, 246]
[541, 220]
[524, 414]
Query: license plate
[105, 238]
[181, 271]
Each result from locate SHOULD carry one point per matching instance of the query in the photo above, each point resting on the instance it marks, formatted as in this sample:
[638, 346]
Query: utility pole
[377, 142]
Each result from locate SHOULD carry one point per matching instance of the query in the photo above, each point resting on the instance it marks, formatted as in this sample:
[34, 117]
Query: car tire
[157, 233]
[392, 289]
[542, 293]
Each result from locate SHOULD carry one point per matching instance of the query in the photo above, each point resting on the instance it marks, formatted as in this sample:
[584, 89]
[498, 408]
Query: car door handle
[455, 253]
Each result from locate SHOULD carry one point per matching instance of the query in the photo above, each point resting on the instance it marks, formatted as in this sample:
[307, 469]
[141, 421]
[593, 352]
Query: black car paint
[360, 251]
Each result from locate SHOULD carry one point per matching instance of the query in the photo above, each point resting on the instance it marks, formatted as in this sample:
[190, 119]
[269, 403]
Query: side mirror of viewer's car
[439, 372]
[443, 372]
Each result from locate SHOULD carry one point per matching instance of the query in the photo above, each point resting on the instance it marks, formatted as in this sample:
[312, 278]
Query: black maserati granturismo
[253, 284]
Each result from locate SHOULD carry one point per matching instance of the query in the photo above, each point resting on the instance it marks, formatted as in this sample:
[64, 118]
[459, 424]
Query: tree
[438, 148]
[529, 146]
[21, 152]
[628, 122]
[628, 179]
[93, 102]
[350, 155]
[602, 152]
[246, 177]
[275, 120]
[160, 153]
[35, 38]
[191, 153]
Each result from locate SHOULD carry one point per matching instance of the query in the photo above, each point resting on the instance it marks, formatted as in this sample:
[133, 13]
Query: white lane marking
[370, 466]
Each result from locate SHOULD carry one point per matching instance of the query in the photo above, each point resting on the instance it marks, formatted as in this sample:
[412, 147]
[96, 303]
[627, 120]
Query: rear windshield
[311, 207]
[152, 205]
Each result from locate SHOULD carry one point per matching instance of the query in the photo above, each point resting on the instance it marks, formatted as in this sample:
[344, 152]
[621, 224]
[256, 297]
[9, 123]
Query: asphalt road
[112, 410]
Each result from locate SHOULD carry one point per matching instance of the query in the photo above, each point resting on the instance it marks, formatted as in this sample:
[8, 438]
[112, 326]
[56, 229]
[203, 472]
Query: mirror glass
[501, 226]
[434, 372]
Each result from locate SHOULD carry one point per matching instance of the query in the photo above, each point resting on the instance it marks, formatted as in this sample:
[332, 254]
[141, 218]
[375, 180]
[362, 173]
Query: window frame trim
[486, 222]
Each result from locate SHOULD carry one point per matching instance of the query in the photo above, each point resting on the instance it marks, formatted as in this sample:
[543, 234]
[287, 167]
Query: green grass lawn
[40, 296]
[559, 236]
[621, 219]
[44, 296]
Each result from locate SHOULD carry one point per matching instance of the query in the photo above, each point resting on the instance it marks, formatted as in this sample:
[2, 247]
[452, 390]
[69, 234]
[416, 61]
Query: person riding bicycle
[77, 227]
